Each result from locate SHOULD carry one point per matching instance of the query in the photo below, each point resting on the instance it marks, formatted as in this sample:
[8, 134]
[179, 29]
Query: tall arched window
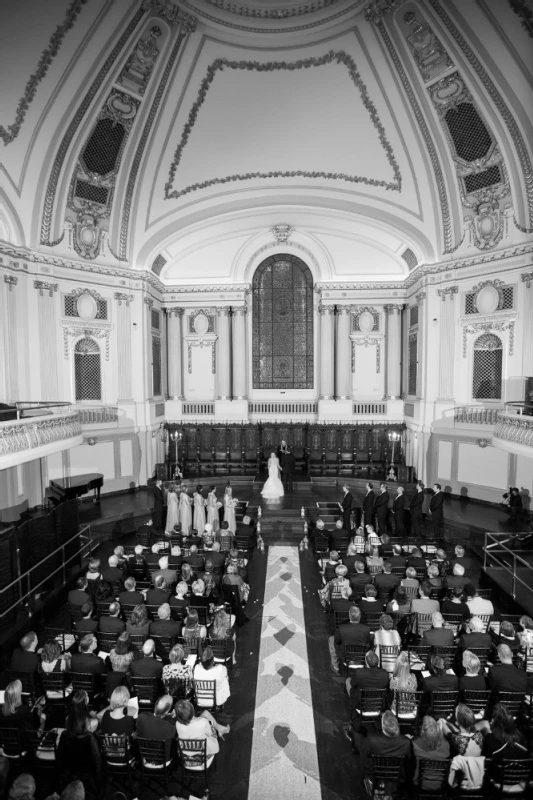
[87, 375]
[282, 323]
[487, 370]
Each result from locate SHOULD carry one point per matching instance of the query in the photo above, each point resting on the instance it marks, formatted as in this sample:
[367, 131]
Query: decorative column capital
[149, 302]
[375, 10]
[527, 278]
[239, 311]
[450, 291]
[345, 309]
[121, 297]
[326, 309]
[420, 297]
[223, 312]
[175, 311]
[42, 286]
[11, 281]
[394, 307]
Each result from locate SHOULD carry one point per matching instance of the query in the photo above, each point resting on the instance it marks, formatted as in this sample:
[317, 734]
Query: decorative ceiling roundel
[201, 324]
[366, 322]
[487, 300]
[86, 306]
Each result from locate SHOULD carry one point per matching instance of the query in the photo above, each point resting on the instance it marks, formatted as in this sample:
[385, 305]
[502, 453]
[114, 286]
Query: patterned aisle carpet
[284, 759]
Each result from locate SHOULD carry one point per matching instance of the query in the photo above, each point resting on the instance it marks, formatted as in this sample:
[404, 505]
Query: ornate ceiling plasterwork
[338, 57]
[289, 10]
[10, 133]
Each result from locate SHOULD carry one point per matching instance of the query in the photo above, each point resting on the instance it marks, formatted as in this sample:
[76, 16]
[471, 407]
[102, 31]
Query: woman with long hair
[273, 488]
[138, 624]
[465, 737]
[185, 513]
[51, 658]
[212, 509]
[122, 653]
[199, 510]
[430, 744]
[503, 739]
[78, 754]
[229, 509]
[15, 713]
[172, 510]
[400, 603]
[221, 629]
[209, 670]
[402, 679]
[192, 628]
[117, 719]
[187, 574]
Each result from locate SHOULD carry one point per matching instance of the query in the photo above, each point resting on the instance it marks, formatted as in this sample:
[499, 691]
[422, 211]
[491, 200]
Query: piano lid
[77, 480]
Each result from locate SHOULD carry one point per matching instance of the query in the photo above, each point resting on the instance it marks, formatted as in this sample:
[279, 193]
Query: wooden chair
[421, 623]
[512, 773]
[86, 682]
[64, 639]
[448, 654]
[106, 640]
[147, 691]
[478, 701]
[454, 622]
[483, 654]
[42, 746]
[371, 705]
[152, 609]
[354, 656]
[163, 646]
[202, 613]
[102, 607]
[418, 655]
[190, 646]
[30, 684]
[205, 695]
[442, 704]
[432, 777]
[406, 709]
[137, 640]
[386, 776]
[118, 760]
[222, 651]
[57, 688]
[340, 617]
[372, 619]
[74, 611]
[388, 655]
[154, 763]
[192, 756]
[12, 748]
[513, 701]
[127, 610]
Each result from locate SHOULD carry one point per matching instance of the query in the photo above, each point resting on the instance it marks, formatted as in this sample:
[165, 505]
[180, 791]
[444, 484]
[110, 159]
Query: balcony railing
[22, 436]
[98, 415]
[515, 424]
[476, 415]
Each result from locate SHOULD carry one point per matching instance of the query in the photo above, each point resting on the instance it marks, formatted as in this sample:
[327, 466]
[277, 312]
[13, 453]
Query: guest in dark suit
[337, 534]
[352, 632]
[344, 602]
[415, 507]
[350, 558]
[287, 471]
[281, 451]
[505, 677]
[163, 625]
[112, 573]
[196, 561]
[436, 510]
[79, 595]
[398, 558]
[86, 661]
[217, 557]
[346, 505]
[359, 581]
[159, 594]
[159, 726]
[130, 596]
[112, 623]
[440, 681]
[386, 581]
[147, 666]
[381, 507]
[369, 677]
[159, 505]
[389, 743]
[86, 624]
[438, 635]
[368, 505]
[24, 658]
[398, 506]
[461, 558]
[476, 637]
[168, 574]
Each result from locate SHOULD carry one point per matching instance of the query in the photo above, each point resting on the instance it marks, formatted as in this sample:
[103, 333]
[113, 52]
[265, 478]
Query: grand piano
[65, 489]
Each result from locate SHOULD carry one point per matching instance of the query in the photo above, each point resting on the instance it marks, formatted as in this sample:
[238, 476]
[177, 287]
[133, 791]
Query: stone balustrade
[476, 415]
[513, 427]
[33, 437]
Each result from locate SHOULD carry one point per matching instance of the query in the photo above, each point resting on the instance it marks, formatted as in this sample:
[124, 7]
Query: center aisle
[284, 759]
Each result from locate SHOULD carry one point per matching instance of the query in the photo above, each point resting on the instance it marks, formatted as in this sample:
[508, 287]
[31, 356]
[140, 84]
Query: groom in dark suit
[287, 470]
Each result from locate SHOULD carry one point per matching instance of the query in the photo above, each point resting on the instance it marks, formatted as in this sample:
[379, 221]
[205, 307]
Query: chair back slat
[193, 754]
[443, 704]
[433, 774]
[205, 693]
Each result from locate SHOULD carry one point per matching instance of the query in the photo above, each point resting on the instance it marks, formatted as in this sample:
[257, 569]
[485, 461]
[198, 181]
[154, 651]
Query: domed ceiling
[236, 118]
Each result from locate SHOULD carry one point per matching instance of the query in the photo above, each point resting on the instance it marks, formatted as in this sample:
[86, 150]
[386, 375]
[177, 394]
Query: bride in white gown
[273, 488]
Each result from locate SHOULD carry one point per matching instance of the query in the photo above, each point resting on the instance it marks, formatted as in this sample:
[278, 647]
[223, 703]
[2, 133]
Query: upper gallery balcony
[34, 430]
[514, 429]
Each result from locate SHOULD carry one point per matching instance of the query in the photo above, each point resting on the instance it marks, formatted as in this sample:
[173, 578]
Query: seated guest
[438, 635]
[180, 600]
[152, 558]
[221, 629]
[440, 680]
[350, 558]
[163, 625]
[416, 559]
[112, 573]
[93, 574]
[505, 677]
[455, 604]
[477, 605]
[400, 603]
[503, 738]
[402, 679]
[238, 561]
[457, 578]
[198, 598]
[370, 602]
[232, 578]
[386, 582]
[52, 660]
[472, 680]
[374, 560]
[461, 558]
[112, 623]
[211, 581]
[147, 666]
[441, 560]
[187, 574]
[196, 561]
[342, 603]
[398, 558]
[217, 557]
[359, 580]
[24, 658]
[15, 713]
[337, 534]
[117, 719]
[122, 561]
[351, 632]
[177, 675]
[159, 594]
[79, 595]
[330, 563]
[475, 636]
[192, 539]
[410, 579]
[389, 743]
[507, 636]
[434, 579]
[130, 596]
[78, 754]
[225, 536]
[137, 567]
[465, 738]
[102, 592]
[86, 624]
[85, 660]
[370, 676]
[386, 636]
[205, 726]
[122, 653]
[372, 538]
[208, 536]
[525, 634]
[169, 575]
[334, 586]
[430, 744]
[358, 540]
[138, 624]
[159, 726]
[209, 670]
[424, 604]
[192, 628]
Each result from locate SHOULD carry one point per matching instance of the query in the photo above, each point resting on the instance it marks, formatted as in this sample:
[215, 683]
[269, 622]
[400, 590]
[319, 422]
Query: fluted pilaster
[394, 350]
[123, 317]
[239, 352]
[48, 346]
[447, 342]
[343, 353]
[223, 361]
[527, 330]
[327, 352]
[175, 353]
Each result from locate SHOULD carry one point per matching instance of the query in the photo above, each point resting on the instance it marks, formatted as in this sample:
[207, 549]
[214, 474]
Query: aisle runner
[284, 760]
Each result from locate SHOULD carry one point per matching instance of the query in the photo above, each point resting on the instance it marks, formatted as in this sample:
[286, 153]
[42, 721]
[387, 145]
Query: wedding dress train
[273, 488]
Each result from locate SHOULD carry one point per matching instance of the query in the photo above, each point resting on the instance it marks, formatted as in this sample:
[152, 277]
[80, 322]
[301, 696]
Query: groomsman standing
[398, 507]
[368, 505]
[435, 508]
[346, 506]
[415, 508]
[382, 508]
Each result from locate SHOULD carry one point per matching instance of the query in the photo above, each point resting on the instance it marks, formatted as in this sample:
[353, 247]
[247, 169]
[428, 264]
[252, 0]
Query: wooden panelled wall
[346, 449]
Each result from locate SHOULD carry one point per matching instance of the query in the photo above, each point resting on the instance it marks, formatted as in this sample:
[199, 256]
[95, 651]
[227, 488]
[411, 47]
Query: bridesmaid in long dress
[172, 510]
[229, 510]
[185, 512]
[212, 509]
[199, 510]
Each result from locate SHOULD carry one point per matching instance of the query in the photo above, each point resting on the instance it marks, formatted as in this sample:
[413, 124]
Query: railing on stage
[498, 554]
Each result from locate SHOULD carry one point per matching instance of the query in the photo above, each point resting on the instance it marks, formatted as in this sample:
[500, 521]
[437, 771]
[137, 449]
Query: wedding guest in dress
[172, 511]
[199, 510]
[185, 511]
[229, 510]
[212, 509]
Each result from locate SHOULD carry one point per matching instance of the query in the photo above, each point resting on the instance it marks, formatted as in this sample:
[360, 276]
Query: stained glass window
[282, 322]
